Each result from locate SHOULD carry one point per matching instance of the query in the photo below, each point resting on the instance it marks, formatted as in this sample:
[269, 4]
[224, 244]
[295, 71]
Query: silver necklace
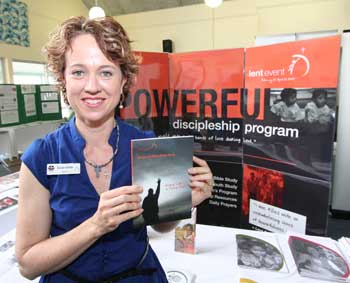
[97, 167]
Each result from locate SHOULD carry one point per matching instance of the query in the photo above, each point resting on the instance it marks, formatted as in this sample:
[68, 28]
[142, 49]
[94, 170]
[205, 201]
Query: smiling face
[93, 83]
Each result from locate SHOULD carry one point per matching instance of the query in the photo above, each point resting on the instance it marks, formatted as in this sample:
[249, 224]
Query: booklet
[259, 251]
[344, 246]
[306, 259]
[319, 260]
[160, 166]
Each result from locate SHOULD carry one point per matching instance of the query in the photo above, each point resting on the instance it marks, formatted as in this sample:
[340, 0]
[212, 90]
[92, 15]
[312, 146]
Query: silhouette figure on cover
[150, 205]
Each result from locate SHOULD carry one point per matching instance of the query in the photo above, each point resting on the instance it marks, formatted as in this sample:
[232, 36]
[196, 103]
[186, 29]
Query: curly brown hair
[110, 37]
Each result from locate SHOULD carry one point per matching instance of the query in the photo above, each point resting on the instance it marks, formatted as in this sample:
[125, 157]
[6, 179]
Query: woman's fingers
[117, 206]
[201, 181]
[199, 161]
[125, 207]
[120, 218]
[134, 189]
[122, 199]
[203, 177]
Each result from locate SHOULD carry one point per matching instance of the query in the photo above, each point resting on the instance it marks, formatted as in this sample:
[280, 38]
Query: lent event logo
[148, 148]
[296, 66]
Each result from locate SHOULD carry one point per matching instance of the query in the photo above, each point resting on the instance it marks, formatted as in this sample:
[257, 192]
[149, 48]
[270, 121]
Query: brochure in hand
[160, 166]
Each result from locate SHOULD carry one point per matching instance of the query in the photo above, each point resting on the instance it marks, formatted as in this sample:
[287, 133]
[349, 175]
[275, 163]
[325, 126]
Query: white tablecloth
[214, 258]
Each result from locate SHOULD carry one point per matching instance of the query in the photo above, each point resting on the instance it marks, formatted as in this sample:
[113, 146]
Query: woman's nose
[92, 85]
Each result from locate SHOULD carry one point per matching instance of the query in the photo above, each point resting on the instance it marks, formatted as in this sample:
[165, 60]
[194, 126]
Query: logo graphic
[51, 167]
[151, 147]
[298, 67]
[301, 63]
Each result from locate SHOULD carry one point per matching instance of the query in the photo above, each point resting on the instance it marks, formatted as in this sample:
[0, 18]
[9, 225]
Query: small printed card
[185, 234]
[7, 202]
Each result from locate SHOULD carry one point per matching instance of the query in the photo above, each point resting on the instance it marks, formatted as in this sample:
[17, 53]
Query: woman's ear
[122, 85]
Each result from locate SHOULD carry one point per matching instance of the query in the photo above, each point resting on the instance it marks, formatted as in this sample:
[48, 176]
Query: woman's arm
[38, 253]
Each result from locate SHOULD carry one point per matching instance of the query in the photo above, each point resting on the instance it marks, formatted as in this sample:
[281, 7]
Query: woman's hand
[201, 181]
[117, 206]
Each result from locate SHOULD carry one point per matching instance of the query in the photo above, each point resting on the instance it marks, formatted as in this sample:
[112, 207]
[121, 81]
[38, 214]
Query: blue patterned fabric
[14, 27]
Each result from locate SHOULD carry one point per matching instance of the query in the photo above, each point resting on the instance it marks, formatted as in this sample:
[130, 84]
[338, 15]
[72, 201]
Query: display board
[289, 127]
[263, 118]
[21, 104]
[9, 108]
[28, 110]
[48, 102]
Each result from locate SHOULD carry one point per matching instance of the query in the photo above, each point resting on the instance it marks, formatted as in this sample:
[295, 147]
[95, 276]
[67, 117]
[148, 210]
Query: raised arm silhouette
[150, 206]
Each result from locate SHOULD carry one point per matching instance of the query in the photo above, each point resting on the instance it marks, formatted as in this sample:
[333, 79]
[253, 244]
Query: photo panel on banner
[287, 202]
[289, 128]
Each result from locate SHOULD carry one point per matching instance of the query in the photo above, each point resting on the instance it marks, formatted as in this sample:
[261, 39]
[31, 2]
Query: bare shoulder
[34, 213]
[28, 184]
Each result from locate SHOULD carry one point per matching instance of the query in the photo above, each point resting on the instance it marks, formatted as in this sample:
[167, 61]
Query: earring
[64, 93]
[121, 102]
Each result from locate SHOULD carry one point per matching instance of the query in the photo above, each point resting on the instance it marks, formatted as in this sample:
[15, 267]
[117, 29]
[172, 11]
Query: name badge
[62, 168]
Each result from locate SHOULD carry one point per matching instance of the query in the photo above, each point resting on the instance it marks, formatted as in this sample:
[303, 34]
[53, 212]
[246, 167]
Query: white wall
[191, 28]
[234, 24]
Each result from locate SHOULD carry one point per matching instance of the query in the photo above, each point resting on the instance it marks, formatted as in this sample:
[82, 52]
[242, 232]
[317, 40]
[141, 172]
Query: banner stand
[341, 179]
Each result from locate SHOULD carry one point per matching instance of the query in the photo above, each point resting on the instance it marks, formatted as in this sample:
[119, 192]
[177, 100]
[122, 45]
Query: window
[31, 73]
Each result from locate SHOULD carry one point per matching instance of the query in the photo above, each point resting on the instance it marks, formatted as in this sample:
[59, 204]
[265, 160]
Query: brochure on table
[271, 257]
[8, 263]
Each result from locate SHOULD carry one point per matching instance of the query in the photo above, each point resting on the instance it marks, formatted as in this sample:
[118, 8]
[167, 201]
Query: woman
[73, 222]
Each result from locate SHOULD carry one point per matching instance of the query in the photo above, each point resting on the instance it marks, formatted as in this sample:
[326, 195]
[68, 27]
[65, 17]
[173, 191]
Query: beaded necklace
[97, 167]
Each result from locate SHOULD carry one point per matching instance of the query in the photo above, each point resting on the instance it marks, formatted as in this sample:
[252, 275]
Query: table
[214, 258]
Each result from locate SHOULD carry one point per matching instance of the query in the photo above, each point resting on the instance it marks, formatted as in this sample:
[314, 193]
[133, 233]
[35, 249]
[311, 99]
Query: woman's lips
[93, 102]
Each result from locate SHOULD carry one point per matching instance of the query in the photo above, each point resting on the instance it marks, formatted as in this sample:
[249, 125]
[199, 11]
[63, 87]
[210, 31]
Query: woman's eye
[106, 74]
[78, 73]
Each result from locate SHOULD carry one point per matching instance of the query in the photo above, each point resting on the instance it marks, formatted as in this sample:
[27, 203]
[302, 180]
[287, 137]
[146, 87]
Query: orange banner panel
[207, 84]
[294, 64]
[148, 97]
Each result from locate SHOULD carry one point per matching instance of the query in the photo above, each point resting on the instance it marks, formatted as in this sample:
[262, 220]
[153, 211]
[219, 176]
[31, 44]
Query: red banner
[209, 83]
[148, 97]
[289, 127]
[272, 106]
[303, 63]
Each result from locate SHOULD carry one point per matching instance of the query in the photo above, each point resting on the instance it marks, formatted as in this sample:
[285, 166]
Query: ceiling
[122, 7]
